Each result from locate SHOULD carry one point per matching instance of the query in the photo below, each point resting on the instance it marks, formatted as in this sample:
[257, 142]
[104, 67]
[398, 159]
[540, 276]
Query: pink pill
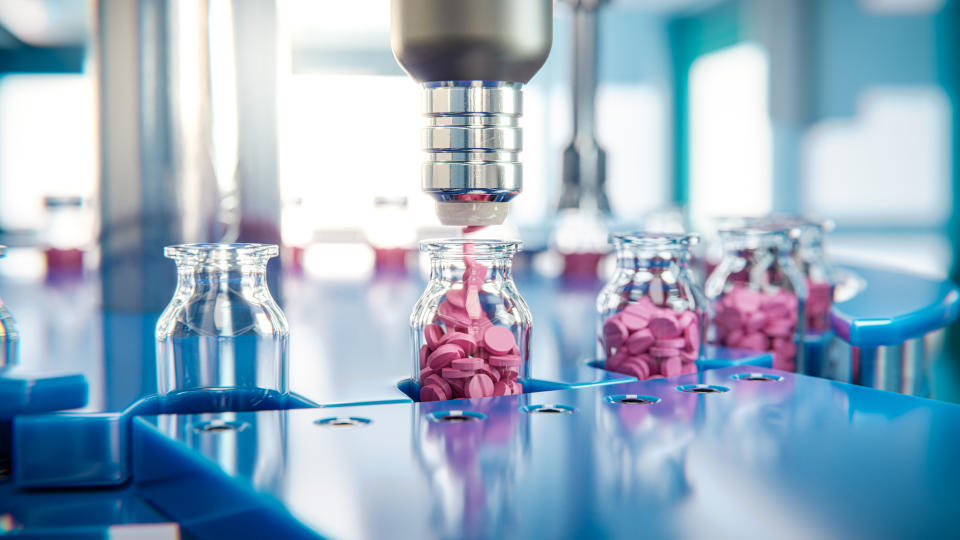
[615, 360]
[640, 340]
[457, 297]
[645, 362]
[637, 369]
[664, 327]
[779, 328]
[500, 388]
[467, 364]
[755, 321]
[509, 360]
[433, 334]
[671, 367]
[755, 342]
[424, 353]
[688, 368]
[633, 322]
[675, 343]
[686, 319]
[690, 356]
[643, 307]
[494, 374]
[729, 318]
[664, 352]
[426, 372]
[509, 374]
[498, 340]
[443, 355]
[462, 340]
[432, 392]
[457, 387]
[651, 363]
[439, 381]
[734, 337]
[472, 304]
[614, 332]
[457, 322]
[450, 373]
[746, 300]
[479, 386]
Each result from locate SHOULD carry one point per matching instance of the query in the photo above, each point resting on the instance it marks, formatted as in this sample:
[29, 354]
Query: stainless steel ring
[471, 138]
[443, 100]
[502, 178]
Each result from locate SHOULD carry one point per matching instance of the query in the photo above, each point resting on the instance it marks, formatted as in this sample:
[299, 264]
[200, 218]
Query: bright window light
[889, 165]
[47, 144]
[730, 134]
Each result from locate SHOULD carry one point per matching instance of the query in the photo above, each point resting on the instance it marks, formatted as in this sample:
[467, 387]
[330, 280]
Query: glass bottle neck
[452, 268]
[198, 279]
[653, 260]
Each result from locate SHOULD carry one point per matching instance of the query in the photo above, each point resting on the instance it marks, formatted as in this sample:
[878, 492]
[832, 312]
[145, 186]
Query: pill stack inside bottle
[819, 300]
[652, 311]
[474, 341]
[650, 342]
[758, 321]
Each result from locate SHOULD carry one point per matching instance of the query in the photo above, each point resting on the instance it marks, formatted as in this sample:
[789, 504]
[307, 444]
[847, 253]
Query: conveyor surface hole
[632, 399]
[703, 388]
[457, 417]
[757, 377]
[343, 421]
[549, 409]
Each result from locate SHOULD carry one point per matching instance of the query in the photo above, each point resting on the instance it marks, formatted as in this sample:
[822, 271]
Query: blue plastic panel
[25, 392]
[93, 514]
[789, 456]
[894, 307]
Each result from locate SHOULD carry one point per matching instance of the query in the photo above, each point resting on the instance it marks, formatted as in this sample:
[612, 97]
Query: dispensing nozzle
[473, 58]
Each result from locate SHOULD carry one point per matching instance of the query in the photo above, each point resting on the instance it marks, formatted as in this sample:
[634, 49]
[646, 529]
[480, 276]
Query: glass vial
[222, 340]
[819, 275]
[470, 328]
[652, 313]
[757, 294]
[9, 334]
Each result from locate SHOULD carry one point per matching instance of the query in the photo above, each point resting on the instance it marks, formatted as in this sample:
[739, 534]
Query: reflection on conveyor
[471, 466]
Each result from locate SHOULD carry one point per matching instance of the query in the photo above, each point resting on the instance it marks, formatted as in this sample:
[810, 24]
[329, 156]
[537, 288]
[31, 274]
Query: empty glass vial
[652, 313]
[222, 340]
[470, 328]
[757, 295]
[9, 335]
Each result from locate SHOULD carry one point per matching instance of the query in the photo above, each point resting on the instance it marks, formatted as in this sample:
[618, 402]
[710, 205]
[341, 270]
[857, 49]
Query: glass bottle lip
[454, 247]
[654, 239]
[757, 231]
[221, 255]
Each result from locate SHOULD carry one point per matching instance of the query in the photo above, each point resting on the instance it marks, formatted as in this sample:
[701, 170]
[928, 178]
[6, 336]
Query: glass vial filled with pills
[652, 313]
[819, 275]
[757, 294]
[470, 328]
[222, 340]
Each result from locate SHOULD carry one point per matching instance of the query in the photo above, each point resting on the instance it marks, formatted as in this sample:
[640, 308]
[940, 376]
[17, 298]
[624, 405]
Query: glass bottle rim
[654, 239]
[479, 247]
[221, 253]
[757, 231]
